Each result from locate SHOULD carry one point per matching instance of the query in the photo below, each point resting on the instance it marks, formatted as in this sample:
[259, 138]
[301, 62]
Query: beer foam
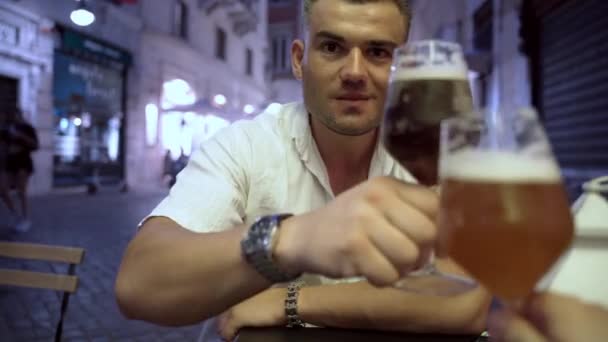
[492, 166]
[430, 73]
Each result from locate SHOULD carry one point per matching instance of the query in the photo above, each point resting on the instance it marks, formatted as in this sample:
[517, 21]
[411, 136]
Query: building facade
[73, 85]
[148, 76]
[202, 67]
[284, 26]
[26, 62]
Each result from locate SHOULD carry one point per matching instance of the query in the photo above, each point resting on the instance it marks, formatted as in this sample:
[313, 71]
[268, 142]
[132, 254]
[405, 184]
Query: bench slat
[39, 280]
[18, 250]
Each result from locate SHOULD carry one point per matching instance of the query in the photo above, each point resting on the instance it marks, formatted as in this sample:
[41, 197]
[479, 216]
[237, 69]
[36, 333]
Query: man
[321, 162]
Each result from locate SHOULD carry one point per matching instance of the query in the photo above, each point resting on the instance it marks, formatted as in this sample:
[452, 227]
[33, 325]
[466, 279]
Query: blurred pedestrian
[19, 140]
[5, 182]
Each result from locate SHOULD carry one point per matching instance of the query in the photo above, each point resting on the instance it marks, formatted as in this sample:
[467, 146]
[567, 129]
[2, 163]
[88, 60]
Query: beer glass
[428, 83]
[504, 213]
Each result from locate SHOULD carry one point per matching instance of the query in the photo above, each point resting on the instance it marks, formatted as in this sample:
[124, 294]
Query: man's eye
[380, 53]
[330, 47]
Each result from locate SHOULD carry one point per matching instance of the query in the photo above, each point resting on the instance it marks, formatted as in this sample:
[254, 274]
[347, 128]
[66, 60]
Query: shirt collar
[382, 163]
[300, 132]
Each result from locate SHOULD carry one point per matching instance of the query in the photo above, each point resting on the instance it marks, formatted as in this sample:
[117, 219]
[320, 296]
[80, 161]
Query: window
[249, 62]
[275, 53]
[280, 53]
[483, 27]
[220, 44]
[9, 96]
[180, 19]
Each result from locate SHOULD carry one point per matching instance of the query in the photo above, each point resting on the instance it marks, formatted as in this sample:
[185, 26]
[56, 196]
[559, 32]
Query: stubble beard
[329, 121]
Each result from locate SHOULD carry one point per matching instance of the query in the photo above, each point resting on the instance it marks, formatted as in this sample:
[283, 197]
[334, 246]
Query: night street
[336, 112]
[103, 225]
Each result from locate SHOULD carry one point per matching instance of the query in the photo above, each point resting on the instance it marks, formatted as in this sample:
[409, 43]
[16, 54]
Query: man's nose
[353, 71]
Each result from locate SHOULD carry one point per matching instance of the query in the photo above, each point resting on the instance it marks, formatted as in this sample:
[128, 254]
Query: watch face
[248, 247]
[259, 237]
[264, 230]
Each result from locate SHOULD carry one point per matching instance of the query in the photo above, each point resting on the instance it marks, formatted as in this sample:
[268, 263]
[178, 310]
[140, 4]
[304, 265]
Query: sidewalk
[103, 225]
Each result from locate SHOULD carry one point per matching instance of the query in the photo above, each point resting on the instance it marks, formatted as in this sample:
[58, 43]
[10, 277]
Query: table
[336, 335]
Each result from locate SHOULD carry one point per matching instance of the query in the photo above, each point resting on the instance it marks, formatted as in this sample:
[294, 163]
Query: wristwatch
[257, 247]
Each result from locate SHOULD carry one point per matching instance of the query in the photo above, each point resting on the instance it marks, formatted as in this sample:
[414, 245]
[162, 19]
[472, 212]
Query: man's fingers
[400, 226]
[567, 318]
[421, 197]
[376, 268]
[504, 326]
[396, 246]
[412, 221]
[225, 326]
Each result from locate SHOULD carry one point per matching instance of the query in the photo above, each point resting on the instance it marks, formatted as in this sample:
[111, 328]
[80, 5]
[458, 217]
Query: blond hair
[403, 5]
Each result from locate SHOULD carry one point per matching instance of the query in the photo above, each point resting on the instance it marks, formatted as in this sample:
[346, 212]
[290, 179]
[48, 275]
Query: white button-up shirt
[257, 167]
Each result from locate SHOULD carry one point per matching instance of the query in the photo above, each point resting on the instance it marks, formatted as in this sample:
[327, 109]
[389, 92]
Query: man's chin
[351, 129]
[349, 122]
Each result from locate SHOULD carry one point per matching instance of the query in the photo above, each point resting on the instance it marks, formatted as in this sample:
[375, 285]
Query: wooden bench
[66, 283]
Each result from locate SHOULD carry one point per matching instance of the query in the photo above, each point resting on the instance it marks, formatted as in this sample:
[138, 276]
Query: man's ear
[297, 58]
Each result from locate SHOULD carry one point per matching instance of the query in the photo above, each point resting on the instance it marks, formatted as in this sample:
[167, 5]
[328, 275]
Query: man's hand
[381, 230]
[265, 309]
[550, 318]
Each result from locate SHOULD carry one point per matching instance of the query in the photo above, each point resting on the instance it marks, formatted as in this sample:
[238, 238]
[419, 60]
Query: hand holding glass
[428, 83]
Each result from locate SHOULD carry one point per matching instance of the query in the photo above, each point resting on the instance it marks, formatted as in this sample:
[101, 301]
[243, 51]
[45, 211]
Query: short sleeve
[210, 192]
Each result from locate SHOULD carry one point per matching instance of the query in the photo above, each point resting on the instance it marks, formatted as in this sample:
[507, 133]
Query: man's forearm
[361, 305]
[172, 276]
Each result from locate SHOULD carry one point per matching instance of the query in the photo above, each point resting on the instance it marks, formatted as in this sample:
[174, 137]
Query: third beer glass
[504, 214]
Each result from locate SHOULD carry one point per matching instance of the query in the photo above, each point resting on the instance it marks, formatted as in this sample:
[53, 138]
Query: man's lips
[353, 97]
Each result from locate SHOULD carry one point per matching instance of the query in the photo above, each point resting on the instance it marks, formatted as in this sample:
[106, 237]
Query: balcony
[243, 14]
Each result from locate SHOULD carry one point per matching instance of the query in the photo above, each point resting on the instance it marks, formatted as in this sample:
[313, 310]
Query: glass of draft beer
[504, 213]
[428, 83]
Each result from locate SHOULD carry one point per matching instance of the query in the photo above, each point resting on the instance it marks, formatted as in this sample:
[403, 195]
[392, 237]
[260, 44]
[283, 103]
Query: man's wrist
[304, 304]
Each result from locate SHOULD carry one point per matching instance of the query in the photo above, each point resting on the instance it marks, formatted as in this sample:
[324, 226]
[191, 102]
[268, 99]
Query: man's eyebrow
[375, 42]
[329, 35]
[383, 43]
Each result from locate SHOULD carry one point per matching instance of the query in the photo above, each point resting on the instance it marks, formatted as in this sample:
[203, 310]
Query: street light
[82, 16]
[220, 100]
[249, 109]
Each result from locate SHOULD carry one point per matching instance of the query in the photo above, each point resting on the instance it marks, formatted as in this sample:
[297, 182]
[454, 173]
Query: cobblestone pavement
[102, 224]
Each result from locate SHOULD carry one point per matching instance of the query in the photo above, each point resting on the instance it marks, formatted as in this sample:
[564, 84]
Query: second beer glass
[428, 83]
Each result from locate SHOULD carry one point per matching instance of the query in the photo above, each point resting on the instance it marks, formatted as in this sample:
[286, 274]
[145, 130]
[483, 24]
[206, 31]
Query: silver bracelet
[291, 305]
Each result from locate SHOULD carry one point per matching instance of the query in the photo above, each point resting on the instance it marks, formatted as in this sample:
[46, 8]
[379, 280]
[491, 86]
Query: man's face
[346, 62]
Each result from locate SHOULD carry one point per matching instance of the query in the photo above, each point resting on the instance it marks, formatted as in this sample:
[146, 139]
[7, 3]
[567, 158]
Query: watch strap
[257, 248]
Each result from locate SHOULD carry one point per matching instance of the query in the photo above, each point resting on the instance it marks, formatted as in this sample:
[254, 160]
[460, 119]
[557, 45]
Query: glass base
[430, 281]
